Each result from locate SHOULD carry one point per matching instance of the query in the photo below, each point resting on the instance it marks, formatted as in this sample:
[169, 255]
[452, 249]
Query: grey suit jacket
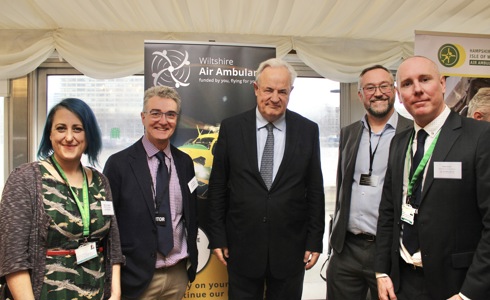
[350, 138]
[454, 215]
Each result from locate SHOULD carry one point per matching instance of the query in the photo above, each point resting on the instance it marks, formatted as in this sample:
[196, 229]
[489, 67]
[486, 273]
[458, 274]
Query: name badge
[193, 184]
[408, 213]
[448, 170]
[369, 180]
[86, 252]
[107, 208]
[161, 219]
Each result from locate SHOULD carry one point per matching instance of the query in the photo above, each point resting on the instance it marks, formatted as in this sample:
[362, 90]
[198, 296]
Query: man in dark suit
[433, 237]
[159, 263]
[267, 227]
[363, 156]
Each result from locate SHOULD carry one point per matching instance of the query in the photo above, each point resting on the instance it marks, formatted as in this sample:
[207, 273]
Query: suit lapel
[450, 132]
[398, 169]
[139, 165]
[292, 132]
[249, 132]
[352, 146]
[402, 124]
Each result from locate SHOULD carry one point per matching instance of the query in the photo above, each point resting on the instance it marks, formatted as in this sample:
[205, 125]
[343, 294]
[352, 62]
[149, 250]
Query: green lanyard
[83, 207]
[422, 164]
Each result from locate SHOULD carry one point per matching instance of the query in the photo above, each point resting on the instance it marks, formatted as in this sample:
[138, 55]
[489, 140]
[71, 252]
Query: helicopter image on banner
[201, 150]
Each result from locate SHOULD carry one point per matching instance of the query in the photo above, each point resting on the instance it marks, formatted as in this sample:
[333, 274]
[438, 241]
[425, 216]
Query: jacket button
[264, 220]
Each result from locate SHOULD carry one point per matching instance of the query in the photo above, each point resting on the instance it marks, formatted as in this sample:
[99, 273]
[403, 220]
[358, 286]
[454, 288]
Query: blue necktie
[162, 201]
[410, 232]
[267, 163]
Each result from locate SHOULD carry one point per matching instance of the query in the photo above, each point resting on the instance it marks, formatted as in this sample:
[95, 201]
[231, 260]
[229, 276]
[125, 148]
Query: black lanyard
[371, 153]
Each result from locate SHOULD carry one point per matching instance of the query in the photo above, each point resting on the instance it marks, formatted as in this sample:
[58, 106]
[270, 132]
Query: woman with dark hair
[59, 236]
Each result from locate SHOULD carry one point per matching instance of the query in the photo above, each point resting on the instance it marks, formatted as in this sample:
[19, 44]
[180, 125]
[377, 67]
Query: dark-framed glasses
[384, 88]
[156, 115]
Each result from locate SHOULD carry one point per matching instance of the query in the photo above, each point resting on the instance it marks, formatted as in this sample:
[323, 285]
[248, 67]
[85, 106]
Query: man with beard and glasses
[363, 157]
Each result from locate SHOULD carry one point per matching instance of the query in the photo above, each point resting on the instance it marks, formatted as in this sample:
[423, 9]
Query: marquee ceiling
[337, 38]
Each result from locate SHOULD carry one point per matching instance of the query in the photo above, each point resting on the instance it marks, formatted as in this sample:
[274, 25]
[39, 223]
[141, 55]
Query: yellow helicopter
[201, 150]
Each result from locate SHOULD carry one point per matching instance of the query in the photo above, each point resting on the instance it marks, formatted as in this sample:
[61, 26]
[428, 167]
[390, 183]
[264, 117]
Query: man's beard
[382, 113]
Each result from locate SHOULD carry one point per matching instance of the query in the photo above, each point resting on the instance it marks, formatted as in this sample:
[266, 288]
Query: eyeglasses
[384, 88]
[156, 115]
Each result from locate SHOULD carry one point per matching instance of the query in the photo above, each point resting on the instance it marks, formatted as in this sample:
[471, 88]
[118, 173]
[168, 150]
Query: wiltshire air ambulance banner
[463, 58]
[214, 81]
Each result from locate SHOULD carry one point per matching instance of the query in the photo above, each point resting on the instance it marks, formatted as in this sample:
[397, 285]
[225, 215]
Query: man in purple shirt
[159, 245]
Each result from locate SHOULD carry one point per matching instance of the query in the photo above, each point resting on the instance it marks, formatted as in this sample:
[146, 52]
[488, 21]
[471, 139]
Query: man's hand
[456, 297]
[310, 259]
[221, 254]
[385, 289]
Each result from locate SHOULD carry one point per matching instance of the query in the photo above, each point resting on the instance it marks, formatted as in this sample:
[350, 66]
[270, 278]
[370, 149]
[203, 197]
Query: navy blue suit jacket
[131, 185]
[266, 228]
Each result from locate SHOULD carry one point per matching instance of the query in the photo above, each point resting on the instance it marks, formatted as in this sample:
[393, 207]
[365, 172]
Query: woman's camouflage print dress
[64, 278]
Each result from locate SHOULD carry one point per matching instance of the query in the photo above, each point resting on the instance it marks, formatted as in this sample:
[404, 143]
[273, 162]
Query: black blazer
[454, 216]
[350, 138]
[258, 226]
[131, 186]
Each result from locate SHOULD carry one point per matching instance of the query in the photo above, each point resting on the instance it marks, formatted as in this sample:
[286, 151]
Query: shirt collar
[435, 126]
[151, 150]
[392, 121]
[279, 124]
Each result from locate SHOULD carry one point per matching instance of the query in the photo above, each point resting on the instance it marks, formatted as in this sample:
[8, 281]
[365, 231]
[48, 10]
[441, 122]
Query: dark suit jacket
[350, 138]
[131, 186]
[454, 216]
[263, 227]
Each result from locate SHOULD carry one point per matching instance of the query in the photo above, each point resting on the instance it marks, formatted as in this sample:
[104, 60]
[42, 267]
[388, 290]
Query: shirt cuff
[381, 275]
[464, 297]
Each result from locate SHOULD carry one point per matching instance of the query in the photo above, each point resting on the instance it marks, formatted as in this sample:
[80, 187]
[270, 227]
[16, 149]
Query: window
[318, 100]
[116, 104]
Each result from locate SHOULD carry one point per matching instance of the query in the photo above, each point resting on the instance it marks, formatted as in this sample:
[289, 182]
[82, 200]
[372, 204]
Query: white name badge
[447, 170]
[193, 184]
[86, 252]
[107, 208]
[408, 213]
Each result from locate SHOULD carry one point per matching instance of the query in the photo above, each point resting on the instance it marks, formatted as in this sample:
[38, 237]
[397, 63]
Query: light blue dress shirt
[363, 217]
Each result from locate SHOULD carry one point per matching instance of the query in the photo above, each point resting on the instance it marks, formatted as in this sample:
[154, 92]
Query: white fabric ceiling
[336, 38]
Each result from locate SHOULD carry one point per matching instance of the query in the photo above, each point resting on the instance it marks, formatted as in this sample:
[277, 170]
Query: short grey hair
[480, 100]
[163, 92]
[276, 63]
